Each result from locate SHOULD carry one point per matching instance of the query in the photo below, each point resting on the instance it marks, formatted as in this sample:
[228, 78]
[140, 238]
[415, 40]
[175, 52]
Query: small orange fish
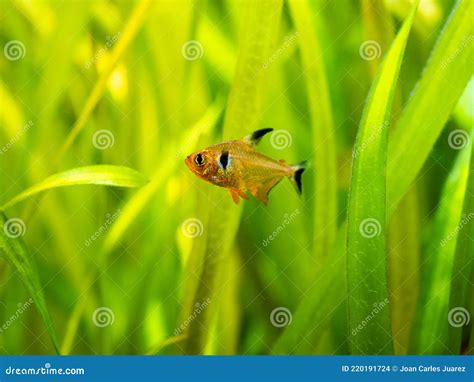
[236, 165]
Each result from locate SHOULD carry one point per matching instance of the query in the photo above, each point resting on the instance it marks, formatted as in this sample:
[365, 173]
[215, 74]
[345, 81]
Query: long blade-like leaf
[462, 266]
[136, 20]
[13, 248]
[404, 254]
[325, 177]
[455, 34]
[366, 259]
[243, 110]
[433, 321]
[444, 79]
[107, 175]
[310, 319]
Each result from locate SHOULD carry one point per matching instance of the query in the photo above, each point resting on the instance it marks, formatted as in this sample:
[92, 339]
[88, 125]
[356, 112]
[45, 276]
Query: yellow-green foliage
[110, 245]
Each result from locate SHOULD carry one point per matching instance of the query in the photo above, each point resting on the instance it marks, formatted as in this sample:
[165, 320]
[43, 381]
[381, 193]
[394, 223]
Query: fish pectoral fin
[242, 194]
[234, 194]
[237, 194]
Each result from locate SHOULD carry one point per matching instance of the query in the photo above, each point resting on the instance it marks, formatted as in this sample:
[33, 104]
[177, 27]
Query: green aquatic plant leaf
[14, 250]
[244, 108]
[366, 259]
[442, 83]
[150, 72]
[315, 312]
[106, 175]
[433, 113]
[462, 267]
[431, 327]
[325, 174]
[133, 25]
[404, 252]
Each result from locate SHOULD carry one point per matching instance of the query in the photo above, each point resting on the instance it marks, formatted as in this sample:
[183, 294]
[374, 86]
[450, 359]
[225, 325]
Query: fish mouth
[187, 160]
[189, 163]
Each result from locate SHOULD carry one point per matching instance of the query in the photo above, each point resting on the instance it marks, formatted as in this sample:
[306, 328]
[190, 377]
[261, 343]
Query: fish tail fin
[295, 175]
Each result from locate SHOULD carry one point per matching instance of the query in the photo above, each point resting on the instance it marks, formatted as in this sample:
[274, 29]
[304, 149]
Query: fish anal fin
[261, 191]
[262, 197]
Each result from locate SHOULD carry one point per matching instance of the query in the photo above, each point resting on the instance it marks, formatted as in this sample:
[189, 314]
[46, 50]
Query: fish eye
[199, 159]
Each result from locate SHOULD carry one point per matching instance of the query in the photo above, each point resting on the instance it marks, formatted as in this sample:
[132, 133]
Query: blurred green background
[173, 267]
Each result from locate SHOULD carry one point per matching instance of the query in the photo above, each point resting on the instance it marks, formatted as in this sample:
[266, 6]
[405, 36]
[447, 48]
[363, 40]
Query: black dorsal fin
[256, 136]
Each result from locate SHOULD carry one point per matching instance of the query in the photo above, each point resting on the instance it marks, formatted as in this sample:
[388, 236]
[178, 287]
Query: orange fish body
[236, 165]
